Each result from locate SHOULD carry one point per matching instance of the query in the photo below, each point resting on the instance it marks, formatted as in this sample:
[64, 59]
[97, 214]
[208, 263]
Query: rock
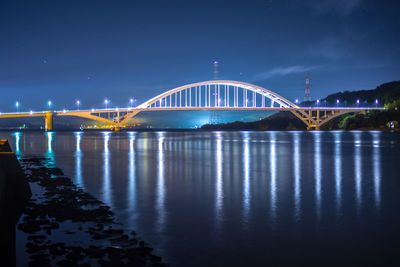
[63, 201]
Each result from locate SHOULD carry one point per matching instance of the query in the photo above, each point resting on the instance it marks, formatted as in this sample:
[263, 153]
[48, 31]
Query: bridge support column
[48, 121]
[312, 127]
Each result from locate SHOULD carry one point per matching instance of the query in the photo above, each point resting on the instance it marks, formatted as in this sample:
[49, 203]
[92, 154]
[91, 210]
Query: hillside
[385, 93]
[277, 121]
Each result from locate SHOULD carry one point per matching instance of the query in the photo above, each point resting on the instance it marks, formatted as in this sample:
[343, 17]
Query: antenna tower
[215, 70]
[307, 96]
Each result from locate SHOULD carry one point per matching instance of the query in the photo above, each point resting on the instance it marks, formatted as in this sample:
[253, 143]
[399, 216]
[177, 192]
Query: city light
[106, 102]
[17, 105]
[376, 101]
[297, 100]
[131, 102]
[49, 103]
[317, 101]
[31, 112]
[358, 101]
[77, 103]
[337, 101]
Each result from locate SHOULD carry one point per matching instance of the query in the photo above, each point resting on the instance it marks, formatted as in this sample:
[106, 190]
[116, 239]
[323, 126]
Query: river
[215, 198]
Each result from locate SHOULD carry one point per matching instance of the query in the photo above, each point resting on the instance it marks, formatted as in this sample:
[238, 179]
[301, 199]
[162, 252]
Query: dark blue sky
[65, 50]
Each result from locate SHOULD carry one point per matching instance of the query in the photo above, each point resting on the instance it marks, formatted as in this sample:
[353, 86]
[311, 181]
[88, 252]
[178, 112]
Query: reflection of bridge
[209, 95]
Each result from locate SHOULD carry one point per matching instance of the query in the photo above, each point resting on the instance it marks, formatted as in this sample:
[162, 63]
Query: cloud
[342, 7]
[283, 71]
[330, 48]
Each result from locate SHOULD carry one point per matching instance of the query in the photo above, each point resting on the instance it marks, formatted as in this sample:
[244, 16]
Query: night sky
[92, 50]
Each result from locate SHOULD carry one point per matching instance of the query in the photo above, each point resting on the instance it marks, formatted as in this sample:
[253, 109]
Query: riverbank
[281, 121]
[66, 226]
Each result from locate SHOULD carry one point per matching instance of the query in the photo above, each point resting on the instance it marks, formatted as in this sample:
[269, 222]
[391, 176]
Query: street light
[17, 105]
[317, 102]
[358, 101]
[376, 102]
[77, 103]
[131, 101]
[337, 101]
[106, 102]
[49, 104]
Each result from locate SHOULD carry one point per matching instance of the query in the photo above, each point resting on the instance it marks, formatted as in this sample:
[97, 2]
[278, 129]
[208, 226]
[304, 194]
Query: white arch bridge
[208, 95]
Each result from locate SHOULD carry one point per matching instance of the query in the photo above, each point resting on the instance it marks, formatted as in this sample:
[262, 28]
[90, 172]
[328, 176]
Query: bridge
[208, 95]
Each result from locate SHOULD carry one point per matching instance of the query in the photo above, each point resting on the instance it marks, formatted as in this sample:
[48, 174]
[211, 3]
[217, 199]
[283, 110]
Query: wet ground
[66, 226]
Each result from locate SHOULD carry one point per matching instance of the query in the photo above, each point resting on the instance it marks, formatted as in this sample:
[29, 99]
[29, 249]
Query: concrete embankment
[14, 193]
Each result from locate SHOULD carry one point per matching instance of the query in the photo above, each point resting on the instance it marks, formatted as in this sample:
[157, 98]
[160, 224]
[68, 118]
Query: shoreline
[203, 130]
[65, 226]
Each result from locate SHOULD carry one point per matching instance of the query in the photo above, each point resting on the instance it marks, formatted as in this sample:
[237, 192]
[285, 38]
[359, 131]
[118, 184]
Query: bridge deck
[79, 112]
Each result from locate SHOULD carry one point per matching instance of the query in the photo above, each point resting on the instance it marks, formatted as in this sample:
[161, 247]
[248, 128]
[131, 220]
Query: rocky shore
[66, 226]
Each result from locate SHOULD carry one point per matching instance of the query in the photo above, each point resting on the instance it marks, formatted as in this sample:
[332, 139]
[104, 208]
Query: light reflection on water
[162, 183]
[132, 173]
[78, 159]
[317, 172]
[273, 193]
[17, 136]
[107, 190]
[358, 169]
[338, 171]
[376, 161]
[160, 203]
[246, 179]
[297, 174]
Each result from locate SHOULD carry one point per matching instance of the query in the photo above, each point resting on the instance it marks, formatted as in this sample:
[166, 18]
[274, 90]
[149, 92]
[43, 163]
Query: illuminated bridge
[208, 95]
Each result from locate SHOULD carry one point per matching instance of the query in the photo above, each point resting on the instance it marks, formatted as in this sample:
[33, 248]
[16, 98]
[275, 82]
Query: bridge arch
[203, 89]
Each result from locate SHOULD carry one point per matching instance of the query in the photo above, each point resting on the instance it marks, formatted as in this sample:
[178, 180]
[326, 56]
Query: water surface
[240, 198]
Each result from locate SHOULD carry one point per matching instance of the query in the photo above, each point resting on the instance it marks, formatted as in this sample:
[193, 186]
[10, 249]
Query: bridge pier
[48, 121]
[313, 127]
[116, 129]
